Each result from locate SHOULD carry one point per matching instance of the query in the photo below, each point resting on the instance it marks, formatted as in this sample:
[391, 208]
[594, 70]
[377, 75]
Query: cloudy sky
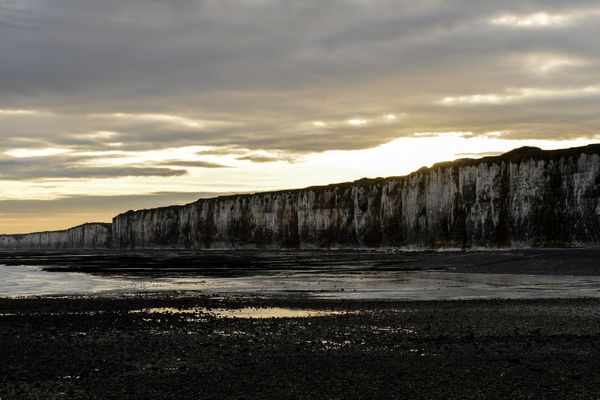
[113, 105]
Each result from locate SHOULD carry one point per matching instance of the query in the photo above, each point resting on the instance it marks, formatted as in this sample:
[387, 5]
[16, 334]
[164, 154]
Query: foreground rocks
[86, 348]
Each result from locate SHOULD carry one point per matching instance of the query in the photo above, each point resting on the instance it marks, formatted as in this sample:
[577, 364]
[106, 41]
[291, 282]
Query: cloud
[164, 118]
[550, 63]
[297, 77]
[193, 163]
[251, 74]
[12, 112]
[66, 167]
[543, 19]
[522, 94]
[261, 158]
[538, 19]
[28, 153]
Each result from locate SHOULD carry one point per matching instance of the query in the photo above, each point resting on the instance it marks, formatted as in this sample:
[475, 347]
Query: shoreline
[87, 348]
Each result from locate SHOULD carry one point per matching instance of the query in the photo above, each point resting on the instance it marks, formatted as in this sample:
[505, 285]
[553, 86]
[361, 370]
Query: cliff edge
[524, 198]
[85, 237]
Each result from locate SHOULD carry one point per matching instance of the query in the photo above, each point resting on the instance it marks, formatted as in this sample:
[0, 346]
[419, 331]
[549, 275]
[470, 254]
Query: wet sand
[20, 281]
[228, 263]
[342, 274]
[167, 346]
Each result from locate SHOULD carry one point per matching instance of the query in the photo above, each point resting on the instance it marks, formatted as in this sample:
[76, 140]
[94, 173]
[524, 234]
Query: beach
[339, 324]
[177, 345]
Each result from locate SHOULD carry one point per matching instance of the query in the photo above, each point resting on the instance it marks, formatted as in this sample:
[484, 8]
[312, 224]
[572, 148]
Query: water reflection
[246, 313]
[365, 284]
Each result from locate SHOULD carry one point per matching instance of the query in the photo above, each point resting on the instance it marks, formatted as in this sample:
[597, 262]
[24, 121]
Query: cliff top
[518, 155]
[514, 156]
[107, 225]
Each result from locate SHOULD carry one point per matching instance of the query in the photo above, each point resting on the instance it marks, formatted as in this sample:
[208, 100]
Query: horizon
[116, 105]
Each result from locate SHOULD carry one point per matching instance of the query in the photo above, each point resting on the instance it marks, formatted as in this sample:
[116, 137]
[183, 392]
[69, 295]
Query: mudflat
[335, 274]
[190, 346]
[227, 263]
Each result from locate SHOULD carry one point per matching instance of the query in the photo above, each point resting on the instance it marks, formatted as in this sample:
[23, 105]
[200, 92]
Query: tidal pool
[246, 312]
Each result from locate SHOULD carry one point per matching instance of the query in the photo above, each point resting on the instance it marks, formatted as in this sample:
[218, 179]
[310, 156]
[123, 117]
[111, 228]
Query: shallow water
[32, 281]
[245, 313]
[399, 285]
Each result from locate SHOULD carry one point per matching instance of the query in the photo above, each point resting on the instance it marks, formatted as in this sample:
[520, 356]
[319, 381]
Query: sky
[112, 105]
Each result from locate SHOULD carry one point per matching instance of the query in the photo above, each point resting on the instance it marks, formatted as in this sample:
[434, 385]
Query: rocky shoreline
[122, 347]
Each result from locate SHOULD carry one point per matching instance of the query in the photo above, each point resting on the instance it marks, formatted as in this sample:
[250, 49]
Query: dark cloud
[195, 164]
[255, 74]
[222, 151]
[263, 159]
[56, 167]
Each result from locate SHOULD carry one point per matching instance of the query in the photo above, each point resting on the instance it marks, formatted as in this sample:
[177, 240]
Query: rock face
[87, 236]
[524, 198]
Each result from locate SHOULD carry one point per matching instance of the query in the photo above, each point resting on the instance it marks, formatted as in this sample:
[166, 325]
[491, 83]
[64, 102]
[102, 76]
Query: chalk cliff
[527, 197]
[524, 198]
[87, 236]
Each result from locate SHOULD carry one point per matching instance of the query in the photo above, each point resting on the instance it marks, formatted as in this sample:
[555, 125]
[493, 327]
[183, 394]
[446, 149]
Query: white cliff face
[525, 198]
[88, 236]
[521, 199]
